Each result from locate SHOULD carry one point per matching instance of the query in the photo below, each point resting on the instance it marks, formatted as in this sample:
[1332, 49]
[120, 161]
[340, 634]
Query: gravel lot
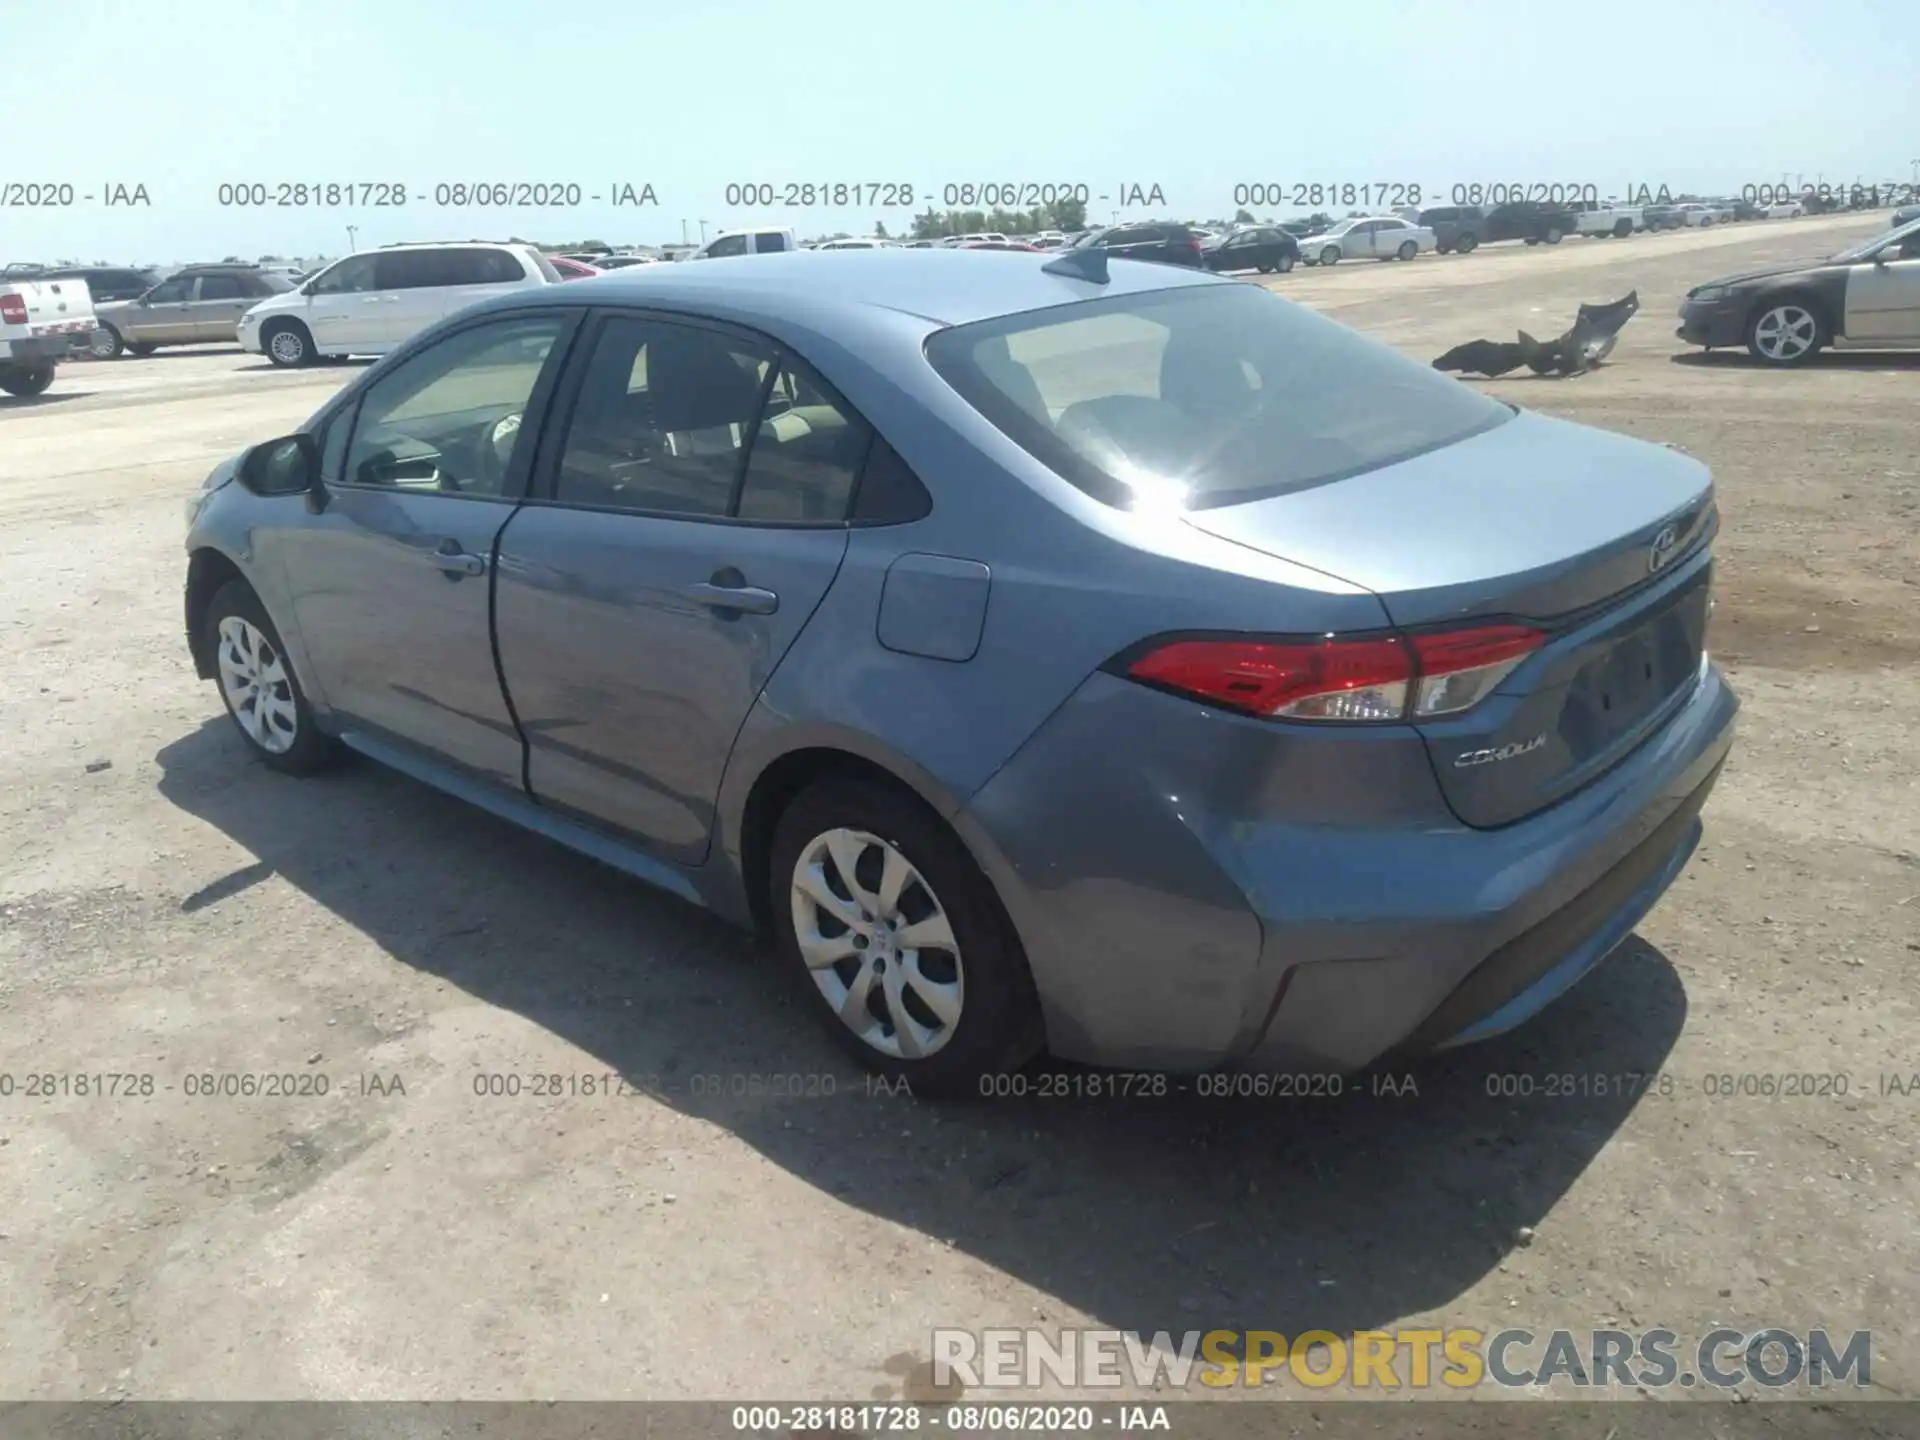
[168, 909]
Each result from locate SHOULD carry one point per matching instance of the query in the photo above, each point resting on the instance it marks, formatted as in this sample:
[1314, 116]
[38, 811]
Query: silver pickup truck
[42, 322]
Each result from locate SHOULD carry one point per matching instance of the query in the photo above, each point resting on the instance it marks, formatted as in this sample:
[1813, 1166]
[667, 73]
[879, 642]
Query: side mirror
[287, 466]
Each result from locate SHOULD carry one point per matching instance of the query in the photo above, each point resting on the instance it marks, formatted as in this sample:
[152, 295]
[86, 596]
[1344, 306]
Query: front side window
[448, 421]
[170, 292]
[1193, 398]
[351, 276]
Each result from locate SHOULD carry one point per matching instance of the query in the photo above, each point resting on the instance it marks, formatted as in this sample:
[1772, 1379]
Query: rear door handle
[744, 599]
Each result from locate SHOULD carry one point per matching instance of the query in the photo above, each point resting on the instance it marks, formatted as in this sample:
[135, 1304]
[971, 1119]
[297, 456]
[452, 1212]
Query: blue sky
[182, 96]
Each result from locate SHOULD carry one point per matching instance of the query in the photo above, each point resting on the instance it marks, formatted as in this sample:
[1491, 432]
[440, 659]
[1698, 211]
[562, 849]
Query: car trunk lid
[1598, 540]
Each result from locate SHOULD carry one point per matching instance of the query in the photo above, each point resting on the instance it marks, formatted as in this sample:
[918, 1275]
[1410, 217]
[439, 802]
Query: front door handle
[456, 562]
[742, 599]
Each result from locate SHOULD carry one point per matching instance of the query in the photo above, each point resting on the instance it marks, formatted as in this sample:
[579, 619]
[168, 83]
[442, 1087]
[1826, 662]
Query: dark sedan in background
[1265, 248]
[1863, 298]
[1169, 244]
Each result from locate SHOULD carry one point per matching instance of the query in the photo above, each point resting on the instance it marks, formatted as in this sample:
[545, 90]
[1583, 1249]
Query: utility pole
[683, 232]
[353, 245]
[703, 232]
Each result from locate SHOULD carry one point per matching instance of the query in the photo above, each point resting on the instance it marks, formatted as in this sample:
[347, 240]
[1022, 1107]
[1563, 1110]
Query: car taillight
[1371, 680]
[13, 309]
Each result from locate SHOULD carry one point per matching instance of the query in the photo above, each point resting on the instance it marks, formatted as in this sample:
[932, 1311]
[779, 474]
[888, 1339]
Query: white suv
[368, 303]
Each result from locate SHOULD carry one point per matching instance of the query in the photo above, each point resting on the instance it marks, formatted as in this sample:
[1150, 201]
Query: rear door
[411, 290]
[217, 306]
[689, 515]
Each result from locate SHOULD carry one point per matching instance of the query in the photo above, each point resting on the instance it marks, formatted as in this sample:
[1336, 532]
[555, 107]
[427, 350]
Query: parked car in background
[1906, 215]
[1663, 217]
[573, 269]
[1533, 221]
[1222, 570]
[1699, 214]
[42, 322]
[1001, 245]
[1368, 237]
[1266, 248]
[746, 242]
[622, 262]
[107, 282]
[1455, 227]
[1165, 243]
[1866, 297]
[1606, 218]
[1783, 210]
[858, 242]
[368, 303]
[195, 305]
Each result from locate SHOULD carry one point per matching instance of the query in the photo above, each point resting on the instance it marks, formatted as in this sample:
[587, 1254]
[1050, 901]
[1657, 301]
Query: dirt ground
[170, 910]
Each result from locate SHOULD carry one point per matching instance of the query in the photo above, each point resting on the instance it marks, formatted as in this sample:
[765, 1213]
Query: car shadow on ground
[1826, 360]
[1147, 1214]
[49, 397]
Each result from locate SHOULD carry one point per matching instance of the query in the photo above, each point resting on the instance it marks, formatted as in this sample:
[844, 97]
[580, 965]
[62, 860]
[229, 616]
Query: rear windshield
[1202, 396]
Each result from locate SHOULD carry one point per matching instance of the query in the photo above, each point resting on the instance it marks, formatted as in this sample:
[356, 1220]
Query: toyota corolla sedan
[1068, 652]
[1866, 297]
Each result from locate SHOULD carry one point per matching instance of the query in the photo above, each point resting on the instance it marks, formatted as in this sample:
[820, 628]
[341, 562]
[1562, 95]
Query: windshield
[1203, 395]
[1866, 248]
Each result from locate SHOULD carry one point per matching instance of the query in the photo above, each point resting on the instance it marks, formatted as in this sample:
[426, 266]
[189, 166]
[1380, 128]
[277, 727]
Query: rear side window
[806, 452]
[407, 270]
[769, 240]
[727, 245]
[1202, 396]
[220, 287]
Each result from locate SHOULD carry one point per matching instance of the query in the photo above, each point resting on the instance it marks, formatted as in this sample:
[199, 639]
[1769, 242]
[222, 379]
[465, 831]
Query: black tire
[999, 1028]
[1533, 239]
[26, 381]
[1778, 306]
[106, 344]
[287, 344]
[311, 749]
[1554, 235]
[1284, 264]
[1440, 249]
[1408, 249]
[1330, 255]
[1265, 267]
[1466, 243]
[141, 348]
[1623, 229]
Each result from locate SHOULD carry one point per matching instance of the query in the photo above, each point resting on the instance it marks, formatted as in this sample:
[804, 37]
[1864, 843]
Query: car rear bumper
[1160, 935]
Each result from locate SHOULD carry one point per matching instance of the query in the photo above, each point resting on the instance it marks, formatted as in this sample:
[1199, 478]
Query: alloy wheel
[1785, 333]
[258, 689]
[287, 346]
[877, 943]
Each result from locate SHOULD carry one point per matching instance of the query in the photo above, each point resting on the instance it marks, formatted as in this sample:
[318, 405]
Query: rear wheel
[1786, 332]
[26, 380]
[1554, 235]
[1466, 242]
[1283, 264]
[905, 950]
[257, 683]
[142, 348]
[105, 343]
[1622, 229]
[1265, 267]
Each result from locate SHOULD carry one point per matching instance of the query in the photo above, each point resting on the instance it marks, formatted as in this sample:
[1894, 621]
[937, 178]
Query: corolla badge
[1665, 546]
[1508, 751]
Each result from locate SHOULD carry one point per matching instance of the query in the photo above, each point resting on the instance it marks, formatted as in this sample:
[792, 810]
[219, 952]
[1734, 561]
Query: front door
[682, 531]
[1883, 300]
[342, 308]
[390, 583]
[163, 316]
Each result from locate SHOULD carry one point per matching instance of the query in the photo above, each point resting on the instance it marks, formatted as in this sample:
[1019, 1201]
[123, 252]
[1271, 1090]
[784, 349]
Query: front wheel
[1330, 255]
[26, 380]
[1554, 235]
[1408, 249]
[1786, 332]
[1623, 230]
[1466, 243]
[903, 945]
[142, 348]
[1265, 267]
[257, 683]
[287, 344]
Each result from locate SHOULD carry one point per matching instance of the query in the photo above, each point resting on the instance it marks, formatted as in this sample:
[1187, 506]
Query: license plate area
[1614, 692]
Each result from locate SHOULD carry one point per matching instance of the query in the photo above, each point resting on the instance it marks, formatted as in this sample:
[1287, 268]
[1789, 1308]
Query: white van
[746, 242]
[366, 304]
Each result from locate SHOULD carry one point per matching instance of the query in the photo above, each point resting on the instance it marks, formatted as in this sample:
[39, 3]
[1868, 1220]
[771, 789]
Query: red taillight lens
[13, 309]
[1351, 681]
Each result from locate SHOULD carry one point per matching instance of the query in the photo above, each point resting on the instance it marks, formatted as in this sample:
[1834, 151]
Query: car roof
[841, 301]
